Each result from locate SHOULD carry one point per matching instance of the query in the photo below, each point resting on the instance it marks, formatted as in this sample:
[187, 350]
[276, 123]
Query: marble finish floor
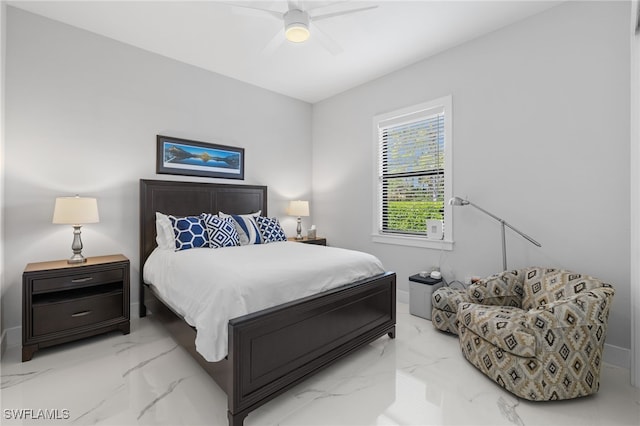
[420, 378]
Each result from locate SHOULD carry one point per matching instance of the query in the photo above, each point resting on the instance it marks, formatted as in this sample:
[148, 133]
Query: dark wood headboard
[192, 198]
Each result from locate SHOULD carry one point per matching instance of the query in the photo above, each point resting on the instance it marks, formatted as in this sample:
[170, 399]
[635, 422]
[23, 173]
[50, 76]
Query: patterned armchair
[539, 333]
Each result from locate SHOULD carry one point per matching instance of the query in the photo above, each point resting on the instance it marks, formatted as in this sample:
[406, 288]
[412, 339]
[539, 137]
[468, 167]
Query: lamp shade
[457, 201]
[299, 208]
[75, 210]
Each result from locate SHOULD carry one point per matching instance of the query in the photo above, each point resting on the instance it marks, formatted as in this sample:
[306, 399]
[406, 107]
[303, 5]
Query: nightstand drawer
[65, 315]
[77, 280]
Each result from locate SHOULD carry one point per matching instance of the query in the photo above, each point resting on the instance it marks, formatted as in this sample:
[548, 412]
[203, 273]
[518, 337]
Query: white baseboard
[134, 310]
[11, 337]
[402, 296]
[615, 355]
[3, 343]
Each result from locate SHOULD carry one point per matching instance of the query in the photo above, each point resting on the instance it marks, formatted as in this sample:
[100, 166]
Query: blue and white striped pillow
[270, 229]
[246, 227]
[222, 231]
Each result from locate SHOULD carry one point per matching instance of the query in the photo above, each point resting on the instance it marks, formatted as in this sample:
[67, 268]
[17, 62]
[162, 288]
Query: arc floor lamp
[457, 201]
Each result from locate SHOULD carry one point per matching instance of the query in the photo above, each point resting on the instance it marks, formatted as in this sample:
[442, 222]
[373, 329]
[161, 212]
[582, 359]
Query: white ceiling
[238, 42]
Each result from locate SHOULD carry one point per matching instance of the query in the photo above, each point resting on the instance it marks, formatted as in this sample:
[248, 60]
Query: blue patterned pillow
[270, 229]
[246, 227]
[189, 231]
[222, 232]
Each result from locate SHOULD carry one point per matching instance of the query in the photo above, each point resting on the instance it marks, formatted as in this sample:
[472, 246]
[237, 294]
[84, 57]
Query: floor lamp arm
[503, 223]
[525, 236]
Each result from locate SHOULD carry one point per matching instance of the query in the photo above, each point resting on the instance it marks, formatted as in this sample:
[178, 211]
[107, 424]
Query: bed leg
[236, 419]
[392, 333]
[143, 311]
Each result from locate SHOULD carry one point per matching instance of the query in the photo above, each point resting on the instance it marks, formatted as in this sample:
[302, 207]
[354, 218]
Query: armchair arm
[555, 322]
[503, 289]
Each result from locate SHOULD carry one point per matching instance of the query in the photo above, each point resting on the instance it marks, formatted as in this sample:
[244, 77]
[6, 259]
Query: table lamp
[299, 208]
[76, 211]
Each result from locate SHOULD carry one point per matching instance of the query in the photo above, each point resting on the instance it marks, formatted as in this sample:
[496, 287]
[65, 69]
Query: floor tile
[419, 378]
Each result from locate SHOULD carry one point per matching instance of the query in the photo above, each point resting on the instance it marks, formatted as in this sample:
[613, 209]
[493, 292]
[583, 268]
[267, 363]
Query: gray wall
[635, 194]
[3, 45]
[82, 115]
[540, 138]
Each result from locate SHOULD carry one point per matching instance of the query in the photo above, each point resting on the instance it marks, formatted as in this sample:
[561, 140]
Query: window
[413, 173]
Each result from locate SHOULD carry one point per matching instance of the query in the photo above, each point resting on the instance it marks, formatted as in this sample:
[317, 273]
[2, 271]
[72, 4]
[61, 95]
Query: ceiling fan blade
[327, 42]
[276, 41]
[270, 12]
[324, 6]
[344, 12]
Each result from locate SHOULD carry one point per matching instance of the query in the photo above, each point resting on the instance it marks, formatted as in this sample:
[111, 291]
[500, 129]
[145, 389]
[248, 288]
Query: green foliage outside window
[411, 216]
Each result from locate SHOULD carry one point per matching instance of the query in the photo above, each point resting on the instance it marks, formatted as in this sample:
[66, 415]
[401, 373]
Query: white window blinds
[411, 171]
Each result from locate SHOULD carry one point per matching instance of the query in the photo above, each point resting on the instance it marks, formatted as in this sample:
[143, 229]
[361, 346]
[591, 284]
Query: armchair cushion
[502, 326]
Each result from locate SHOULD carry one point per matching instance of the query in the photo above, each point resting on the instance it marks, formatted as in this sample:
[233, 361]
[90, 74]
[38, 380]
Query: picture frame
[186, 157]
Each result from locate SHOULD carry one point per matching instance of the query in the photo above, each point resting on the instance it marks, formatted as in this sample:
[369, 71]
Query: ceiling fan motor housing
[296, 25]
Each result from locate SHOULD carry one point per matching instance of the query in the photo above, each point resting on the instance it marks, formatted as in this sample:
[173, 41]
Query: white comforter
[211, 286]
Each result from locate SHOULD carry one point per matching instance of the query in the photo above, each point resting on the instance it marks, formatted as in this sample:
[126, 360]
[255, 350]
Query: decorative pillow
[222, 232]
[246, 226]
[270, 229]
[164, 232]
[189, 232]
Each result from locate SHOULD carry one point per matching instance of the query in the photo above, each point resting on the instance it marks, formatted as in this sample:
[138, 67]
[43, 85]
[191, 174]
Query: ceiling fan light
[297, 33]
[296, 26]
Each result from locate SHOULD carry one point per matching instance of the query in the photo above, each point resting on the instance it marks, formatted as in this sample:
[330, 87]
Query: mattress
[208, 287]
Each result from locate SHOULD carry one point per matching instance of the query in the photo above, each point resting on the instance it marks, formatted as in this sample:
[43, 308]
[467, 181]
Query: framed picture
[192, 158]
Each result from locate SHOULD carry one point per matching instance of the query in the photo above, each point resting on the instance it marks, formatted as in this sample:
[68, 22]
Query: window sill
[408, 241]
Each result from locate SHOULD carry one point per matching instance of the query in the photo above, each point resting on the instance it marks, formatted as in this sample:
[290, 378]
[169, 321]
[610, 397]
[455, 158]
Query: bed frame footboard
[273, 350]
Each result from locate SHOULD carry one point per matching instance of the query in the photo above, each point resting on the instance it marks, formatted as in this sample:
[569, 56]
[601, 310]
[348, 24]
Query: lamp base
[77, 258]
[299, 229]
[76, 246]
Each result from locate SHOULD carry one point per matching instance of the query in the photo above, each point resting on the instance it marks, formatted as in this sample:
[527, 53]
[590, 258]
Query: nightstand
[317, 241]
[62, 302]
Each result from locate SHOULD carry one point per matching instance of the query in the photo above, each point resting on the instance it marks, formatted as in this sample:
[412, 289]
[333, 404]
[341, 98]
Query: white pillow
[165, 237]
[246, 226]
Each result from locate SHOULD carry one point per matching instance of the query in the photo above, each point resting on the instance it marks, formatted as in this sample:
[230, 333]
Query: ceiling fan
[298, 23]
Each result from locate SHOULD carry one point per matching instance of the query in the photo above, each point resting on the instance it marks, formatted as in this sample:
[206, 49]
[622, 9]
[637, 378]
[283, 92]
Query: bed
[268, 352]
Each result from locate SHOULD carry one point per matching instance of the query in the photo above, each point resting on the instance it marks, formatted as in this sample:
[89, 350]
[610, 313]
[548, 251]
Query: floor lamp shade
[76, 211]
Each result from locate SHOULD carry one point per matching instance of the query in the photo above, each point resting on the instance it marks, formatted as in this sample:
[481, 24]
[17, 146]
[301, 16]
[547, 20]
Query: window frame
[424, 109]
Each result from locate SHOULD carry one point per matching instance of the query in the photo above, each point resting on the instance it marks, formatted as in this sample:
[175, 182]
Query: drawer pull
[82, 280]
[80, 314]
